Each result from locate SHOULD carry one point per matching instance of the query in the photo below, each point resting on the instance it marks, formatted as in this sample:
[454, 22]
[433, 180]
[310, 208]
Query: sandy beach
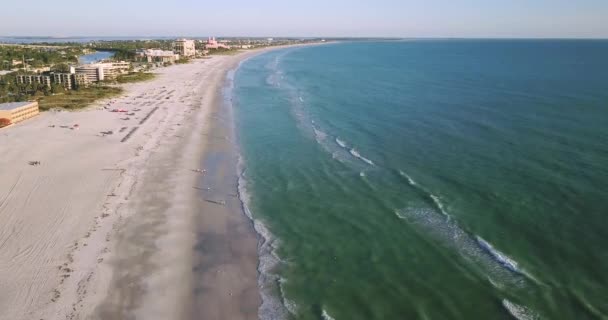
[143, 223]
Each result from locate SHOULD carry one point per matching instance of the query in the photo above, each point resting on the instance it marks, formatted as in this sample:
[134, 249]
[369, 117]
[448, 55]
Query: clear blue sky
[391, 18]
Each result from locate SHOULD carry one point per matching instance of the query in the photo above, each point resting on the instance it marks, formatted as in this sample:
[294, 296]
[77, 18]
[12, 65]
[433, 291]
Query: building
[15, 112]
[96, 72]
[214, 44]
[34, 79]
[91, 72]
[113, 69]
[63, 79]
[153, 55]
[81, 80]
[184, 47]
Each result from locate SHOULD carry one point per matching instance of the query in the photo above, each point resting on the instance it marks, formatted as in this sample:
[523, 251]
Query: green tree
[56, 88]
[61, 67]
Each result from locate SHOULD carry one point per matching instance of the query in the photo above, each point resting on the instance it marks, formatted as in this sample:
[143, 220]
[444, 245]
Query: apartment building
[18, 111]
[96, 72]
[34, 79]
[184, 47]
[64, 79]
[153, 55]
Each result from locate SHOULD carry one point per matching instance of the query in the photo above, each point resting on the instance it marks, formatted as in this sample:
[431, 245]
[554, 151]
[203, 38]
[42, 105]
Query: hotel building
[153, 55]
[18, 111]
[214, 44]
[34, 79]
[96, 72]
[64, 79]
[184, 47]
[81, 80]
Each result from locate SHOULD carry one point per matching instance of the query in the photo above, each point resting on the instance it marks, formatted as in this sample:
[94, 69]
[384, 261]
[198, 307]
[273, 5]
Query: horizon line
[153, 37]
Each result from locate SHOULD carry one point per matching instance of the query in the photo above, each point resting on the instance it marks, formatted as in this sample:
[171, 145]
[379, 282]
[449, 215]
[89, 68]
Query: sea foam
[411, 181]
[326, 315]
[499, 256]
[273, 306]
[424, 192]
[357, 155]
[519, 312]
[447, 232]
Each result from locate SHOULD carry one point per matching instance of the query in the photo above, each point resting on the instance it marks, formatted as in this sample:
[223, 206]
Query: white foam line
[448, 232]
[290, 305]
[272, 307]
[409, 179]
[357, 155]
[319, 135]
[519, 312]
[439, 205]
[499, 256]
[399, 214]
[436, 199]
[340, 143]
[326, 315]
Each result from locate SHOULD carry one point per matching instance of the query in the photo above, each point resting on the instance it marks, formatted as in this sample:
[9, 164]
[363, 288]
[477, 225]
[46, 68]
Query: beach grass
[224, 52]
[78, 99]
[135, 77]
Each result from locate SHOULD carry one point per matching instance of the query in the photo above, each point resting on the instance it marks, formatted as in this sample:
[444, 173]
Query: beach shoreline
[121, 225]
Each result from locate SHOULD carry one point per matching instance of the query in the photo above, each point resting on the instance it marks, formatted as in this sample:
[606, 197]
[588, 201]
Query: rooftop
[14, 105]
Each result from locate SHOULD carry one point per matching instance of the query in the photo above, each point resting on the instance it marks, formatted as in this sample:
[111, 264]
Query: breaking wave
[305, 121]
[499, 256]
[357, 155]
[439, 204]
[424, 192]
[500, 270]
[411, 181]
[519, 312]
[450, 234]
[326, 315]
[273, 306]
[341, 143]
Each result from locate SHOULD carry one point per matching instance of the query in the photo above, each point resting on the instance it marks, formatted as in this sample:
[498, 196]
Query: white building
[184, 47]
[154, 55]
[34, 79]
[96, 72]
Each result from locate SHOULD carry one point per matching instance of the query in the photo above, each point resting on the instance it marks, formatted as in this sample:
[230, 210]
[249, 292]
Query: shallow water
[429, 179]
[95, 57]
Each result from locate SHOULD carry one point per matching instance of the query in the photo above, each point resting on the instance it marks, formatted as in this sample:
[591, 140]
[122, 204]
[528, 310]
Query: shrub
[4, 122]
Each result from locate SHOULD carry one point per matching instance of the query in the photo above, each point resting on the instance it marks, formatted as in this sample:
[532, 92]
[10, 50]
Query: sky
[308, 18]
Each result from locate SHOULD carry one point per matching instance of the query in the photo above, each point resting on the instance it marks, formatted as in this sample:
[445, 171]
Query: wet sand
[127, 225]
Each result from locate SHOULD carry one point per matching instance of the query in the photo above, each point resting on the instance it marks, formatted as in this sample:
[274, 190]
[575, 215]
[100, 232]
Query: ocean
[428, 179]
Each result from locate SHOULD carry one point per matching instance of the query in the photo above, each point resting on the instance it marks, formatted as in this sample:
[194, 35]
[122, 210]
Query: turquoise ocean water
[428, 179]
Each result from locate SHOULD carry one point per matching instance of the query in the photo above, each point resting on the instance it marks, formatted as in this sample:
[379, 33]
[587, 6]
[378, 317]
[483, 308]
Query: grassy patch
[78, 99]
[224, 52]
[135, 77]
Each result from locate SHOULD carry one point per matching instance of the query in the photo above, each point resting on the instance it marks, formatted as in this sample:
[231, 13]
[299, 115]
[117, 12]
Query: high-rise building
[184, 47]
